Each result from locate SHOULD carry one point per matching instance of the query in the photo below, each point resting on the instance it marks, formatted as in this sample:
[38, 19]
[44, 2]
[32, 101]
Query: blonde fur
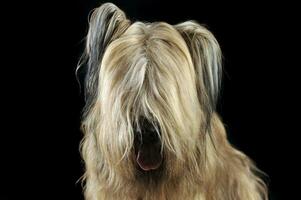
[171, 76]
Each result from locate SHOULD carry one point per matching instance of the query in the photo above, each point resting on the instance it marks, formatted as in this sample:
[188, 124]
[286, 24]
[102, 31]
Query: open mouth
[148, 153]
[149, 157]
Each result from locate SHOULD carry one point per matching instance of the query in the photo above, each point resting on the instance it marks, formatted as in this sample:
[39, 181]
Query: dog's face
[147, 83]
[151, 90]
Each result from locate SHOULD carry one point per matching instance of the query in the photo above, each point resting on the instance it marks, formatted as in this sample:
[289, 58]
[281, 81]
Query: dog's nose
[148, 133]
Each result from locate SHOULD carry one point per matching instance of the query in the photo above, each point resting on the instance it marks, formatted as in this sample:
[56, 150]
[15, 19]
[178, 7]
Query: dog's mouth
[148, 153]
[149, 157]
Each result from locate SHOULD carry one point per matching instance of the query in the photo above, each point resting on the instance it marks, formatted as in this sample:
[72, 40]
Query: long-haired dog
[150, 127]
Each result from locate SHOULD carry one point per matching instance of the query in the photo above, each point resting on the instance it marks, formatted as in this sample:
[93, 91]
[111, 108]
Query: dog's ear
[106, 24]
[206, 57]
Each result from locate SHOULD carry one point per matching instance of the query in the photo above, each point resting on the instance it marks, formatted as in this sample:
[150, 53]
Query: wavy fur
[170, 75]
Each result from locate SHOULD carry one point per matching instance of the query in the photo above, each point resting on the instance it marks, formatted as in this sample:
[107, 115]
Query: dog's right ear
[207, 59]
[106, 24]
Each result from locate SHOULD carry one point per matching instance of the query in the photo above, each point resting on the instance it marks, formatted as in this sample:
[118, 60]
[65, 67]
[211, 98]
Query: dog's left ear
[206, 56]
[106, 24]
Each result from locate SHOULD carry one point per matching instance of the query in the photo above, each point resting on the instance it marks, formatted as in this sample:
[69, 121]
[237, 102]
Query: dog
[151, 131]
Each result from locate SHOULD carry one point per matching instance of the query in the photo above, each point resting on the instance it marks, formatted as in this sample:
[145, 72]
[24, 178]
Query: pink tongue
[149, 160]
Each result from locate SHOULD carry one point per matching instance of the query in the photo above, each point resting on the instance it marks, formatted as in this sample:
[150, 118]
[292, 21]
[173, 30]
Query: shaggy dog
[150, 127]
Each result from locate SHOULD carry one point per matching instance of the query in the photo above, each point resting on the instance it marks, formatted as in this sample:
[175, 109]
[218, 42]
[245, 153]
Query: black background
[42, 99]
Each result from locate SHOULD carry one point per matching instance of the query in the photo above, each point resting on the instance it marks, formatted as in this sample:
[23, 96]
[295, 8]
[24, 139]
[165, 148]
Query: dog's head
[151, 89]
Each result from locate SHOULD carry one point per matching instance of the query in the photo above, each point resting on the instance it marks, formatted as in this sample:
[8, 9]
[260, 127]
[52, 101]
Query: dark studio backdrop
[41, 148]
